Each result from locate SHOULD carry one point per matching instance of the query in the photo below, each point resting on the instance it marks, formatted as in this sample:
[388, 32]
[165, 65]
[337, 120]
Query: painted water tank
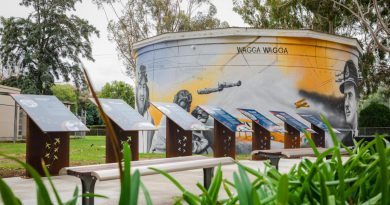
[295, 71]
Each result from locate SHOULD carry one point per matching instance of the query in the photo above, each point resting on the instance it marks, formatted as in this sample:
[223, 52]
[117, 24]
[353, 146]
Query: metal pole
[15, 122]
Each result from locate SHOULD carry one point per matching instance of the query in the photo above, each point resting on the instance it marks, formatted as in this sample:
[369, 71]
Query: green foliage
[381, 96]
[318, 15]
[118, 90]
[361, 179]
[92, 114]
[23, 82]
[64, 92]
[130, 183]
[375, 115]
[47, 45]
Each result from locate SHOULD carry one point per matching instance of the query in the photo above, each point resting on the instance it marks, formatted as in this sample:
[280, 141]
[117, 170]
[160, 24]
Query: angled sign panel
[225, 118]
[123, 115]
[49, 113]
[178, 115]
[316, 121]
[292, 121]
[261, 120]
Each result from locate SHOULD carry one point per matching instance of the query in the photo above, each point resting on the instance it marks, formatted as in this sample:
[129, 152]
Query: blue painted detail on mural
[225, 118]
[292, 121]
[261, 120]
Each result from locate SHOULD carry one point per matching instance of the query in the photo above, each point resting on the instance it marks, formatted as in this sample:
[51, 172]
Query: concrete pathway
[161, 190]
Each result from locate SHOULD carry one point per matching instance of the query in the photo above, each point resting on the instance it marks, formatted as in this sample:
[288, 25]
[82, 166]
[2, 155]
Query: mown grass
[83, 151]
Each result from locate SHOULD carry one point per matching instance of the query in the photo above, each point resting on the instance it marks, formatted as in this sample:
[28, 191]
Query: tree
[141, 19]
[22, 82]
[379, 97]
[92, 114]
[318, 15]
[65, 93]
[47, 45]
[374, 16]
[118, 90]
[375, 115]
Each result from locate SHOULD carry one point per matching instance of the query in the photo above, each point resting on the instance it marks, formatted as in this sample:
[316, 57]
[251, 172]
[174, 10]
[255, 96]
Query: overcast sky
[107, 66]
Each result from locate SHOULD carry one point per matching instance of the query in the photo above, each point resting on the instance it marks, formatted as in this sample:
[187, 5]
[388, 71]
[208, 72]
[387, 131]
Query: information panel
[123, 115]
[225, 118]
[49, 113]
[261, 120]
[315, 121]
[178, 115]
[292, 121]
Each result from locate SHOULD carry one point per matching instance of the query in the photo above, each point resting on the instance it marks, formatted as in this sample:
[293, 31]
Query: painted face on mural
[142, 91]
[184, 99]
[350, 103]
[349, 88]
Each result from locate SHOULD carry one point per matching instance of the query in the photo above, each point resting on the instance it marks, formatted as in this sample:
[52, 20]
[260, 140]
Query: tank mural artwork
[295, 71]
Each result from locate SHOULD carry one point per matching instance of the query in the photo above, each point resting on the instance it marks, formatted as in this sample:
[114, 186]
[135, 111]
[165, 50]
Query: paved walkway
[161, 190]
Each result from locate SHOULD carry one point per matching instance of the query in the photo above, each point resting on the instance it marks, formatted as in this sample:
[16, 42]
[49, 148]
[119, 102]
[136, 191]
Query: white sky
[107, 66]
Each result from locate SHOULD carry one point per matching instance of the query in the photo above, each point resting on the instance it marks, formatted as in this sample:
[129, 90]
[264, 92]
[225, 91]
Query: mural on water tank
[294, 75]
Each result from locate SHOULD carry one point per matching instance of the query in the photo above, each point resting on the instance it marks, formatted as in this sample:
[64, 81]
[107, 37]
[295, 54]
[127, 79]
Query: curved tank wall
[296, 71]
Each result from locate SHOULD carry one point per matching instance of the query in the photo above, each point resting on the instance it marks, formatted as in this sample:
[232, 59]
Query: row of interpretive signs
[47, 116]
[52, 116]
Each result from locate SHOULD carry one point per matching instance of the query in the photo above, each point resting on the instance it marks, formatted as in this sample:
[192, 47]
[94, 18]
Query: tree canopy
[118, 90]
[141, 19]
[64, 92]
[47, 45]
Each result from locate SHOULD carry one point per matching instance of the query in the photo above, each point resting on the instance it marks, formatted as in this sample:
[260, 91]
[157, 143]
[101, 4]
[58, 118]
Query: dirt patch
[5, 173]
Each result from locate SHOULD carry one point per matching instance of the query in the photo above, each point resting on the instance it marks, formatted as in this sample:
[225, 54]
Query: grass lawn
[88, 150]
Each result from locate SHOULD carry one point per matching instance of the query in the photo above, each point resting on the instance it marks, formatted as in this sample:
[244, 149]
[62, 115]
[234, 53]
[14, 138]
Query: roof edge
[243, 31]
[9, 88]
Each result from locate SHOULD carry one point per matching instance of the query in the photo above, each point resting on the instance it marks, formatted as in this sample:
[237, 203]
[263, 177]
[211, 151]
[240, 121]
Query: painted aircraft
[301, 103]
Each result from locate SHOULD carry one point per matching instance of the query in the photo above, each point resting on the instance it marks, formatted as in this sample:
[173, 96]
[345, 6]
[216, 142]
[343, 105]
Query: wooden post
[52, 148]
[224, 141]
[319, 137]
[130, 137]
[291, 137]
[261, 139]
[178, 141]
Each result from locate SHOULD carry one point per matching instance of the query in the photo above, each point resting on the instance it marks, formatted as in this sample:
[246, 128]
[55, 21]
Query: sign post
[126, 123]
[293, 128]
[225, 128]
[48, 125]
[179, 127]
[319, 127]
[262, 128]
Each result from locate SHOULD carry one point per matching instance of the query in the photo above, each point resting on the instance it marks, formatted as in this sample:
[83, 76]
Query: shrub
[375, 115]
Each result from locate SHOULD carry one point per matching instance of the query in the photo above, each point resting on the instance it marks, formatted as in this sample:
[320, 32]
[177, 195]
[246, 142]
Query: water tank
[295, 71]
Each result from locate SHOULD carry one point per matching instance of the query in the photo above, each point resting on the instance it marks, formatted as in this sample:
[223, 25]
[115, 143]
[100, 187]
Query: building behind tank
[250, 68]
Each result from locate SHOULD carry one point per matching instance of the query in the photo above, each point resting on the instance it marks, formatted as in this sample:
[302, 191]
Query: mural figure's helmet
[350, 75]
[142, 73]
[184, 99]
[199, 114]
